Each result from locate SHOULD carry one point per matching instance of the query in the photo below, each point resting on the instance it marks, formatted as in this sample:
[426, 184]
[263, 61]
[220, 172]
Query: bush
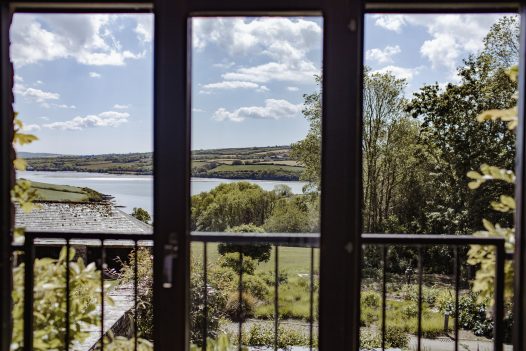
[239, 313]
[396, 337]
[370, 299]
[263, 335]
[50, 301]
[258, 252]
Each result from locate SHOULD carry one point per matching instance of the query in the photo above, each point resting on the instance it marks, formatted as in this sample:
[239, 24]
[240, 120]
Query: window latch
[171, 251]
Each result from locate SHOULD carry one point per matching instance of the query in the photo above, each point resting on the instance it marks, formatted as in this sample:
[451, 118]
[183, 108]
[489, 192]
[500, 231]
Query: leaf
[20, 164]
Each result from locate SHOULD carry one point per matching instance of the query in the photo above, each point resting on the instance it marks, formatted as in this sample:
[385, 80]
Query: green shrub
[50, 301]
[237, 312]
[263, 335]
[370, 299]
[396, 337]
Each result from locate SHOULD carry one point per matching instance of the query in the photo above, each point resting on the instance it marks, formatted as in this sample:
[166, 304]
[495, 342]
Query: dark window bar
[309, 240]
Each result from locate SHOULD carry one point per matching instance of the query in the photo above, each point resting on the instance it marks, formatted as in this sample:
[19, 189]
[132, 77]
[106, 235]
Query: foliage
[50, 301]
[482, 256]
[292, 215]
[222, 343]
[308, 150]
[263, 335]
[231, 205]
[22, 193]
[141, 214]
[240, 309]
[121, 343]
[395, 337]
[258, 252]
[452, 137]
[215, 296]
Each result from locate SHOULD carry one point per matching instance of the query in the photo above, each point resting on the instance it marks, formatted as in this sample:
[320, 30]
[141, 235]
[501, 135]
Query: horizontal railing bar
[291, 239]
[284, 239]
[429, 239]
[89, 236]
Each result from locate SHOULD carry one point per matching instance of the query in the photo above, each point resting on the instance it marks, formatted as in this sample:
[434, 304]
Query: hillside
[65, 193]
[268, 163]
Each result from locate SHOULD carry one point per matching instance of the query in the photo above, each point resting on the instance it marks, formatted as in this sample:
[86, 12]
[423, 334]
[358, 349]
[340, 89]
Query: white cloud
[390, 22]
[234, 84]
[197, 110]
[285, 42]
[451, 36]
[121, 107]
[273, 109]
[86, 38]
[384, 55]
[298, 72]
[104, 119]
[44, 118]
[293, 88]
[30, 128]
[33, 94]
[94, 75]
[61, 106]
[399, 72]
[18, 78]
[144, 28]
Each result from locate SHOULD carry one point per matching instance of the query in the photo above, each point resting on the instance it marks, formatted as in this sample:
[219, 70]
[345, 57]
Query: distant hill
[27, 155]
[268, 163]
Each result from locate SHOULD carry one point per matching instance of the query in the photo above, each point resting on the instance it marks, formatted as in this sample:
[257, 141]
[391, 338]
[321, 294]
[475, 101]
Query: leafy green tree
[290, 215]
[308, 150]
[458, 143]
[258, 252]
[231, 205]
[141, 214]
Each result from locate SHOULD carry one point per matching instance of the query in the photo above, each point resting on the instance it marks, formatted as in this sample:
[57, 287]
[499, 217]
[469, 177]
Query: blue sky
[84, 82]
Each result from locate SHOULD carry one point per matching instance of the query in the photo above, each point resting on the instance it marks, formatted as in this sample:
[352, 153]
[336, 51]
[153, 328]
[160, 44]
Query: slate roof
[100, 217]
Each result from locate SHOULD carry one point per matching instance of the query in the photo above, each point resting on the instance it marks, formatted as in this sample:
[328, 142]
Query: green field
[64, 193]
[265, 163]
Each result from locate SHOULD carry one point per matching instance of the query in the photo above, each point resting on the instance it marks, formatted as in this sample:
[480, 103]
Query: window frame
[341, 181]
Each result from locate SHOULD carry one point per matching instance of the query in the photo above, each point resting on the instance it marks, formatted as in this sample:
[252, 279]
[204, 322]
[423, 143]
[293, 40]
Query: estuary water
[131, 191]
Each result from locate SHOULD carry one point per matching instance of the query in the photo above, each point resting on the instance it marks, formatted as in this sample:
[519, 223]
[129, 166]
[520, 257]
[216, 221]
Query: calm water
[131, 191]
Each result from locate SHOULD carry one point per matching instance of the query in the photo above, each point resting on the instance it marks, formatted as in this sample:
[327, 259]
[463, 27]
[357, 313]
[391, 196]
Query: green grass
[64, 193]
[257, 167]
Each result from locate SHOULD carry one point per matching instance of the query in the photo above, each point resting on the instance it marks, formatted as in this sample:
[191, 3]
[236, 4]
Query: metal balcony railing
[103, 242]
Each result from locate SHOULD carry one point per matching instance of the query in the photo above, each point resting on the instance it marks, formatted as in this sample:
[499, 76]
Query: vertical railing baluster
[102, 266]
[276, 296]
[419, 341]
[135, 295]
[499, 297]
[68, 307]
[457, 289]
[384, 293]
[311, 298]
[240, 300]
[29, 252]
[205, 295]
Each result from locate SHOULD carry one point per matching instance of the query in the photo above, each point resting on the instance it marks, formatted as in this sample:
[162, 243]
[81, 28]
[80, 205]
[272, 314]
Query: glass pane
[256, 124]
[83, 86]
[428, 145]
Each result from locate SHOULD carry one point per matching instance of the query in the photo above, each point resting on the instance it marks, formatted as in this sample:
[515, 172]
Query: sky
[84, 83]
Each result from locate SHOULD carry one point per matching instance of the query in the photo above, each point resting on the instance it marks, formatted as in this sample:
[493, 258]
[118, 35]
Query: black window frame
[341, 181]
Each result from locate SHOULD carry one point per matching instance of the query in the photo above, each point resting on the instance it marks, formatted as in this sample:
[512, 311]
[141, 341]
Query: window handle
[171, 250]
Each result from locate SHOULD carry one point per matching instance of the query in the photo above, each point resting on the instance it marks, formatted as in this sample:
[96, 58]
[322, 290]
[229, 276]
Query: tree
[141, 214]
[290, 215]
[457, 143]
[258, 252]
[308, 150]
[231, 205]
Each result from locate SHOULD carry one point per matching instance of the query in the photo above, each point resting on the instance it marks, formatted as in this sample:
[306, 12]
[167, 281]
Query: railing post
[498, 331]
[6, 178]
[29, 259]
[519, 305]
